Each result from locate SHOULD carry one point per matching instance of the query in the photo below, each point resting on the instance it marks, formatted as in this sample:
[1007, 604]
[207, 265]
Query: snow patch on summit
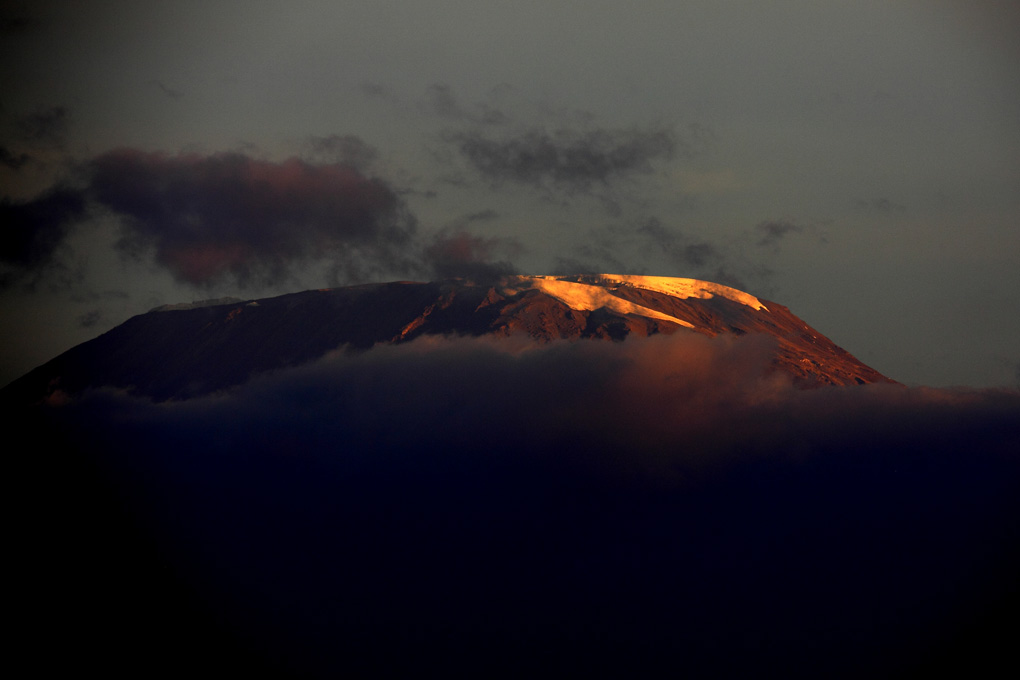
[591, 292]
[673, 286]
[583, 296]
[685, 288]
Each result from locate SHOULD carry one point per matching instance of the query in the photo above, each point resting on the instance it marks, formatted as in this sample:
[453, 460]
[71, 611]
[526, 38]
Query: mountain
[187, 350]
[598, 476]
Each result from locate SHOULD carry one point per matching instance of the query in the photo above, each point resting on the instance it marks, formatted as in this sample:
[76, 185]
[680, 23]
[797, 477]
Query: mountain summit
[182, 351]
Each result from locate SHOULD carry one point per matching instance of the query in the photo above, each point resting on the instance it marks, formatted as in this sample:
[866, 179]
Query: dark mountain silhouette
[182, 351]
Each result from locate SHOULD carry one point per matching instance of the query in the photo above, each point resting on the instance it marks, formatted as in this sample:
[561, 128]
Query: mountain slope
[181, 351]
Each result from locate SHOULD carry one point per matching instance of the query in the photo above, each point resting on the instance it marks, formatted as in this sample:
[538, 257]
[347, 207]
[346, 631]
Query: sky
[857, 162]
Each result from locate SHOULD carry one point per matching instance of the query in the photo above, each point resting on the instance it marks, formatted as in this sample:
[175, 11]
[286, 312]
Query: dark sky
[856, 162]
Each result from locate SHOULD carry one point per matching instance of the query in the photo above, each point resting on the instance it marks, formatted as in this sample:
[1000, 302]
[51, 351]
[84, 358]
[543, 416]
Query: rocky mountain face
[182, 351]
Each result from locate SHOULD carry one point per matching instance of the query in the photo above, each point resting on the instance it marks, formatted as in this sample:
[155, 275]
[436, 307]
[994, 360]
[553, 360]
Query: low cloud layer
[460, 498]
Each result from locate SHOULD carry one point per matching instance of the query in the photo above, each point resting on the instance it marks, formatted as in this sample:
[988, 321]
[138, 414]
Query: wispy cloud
[774, 231]
[344, 149]
[441, 100]
[564, 159]
[680, 249]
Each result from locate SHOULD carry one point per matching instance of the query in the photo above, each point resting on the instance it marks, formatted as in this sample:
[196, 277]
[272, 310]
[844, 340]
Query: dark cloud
[569, 160]
[33, 230]
[90, 318]
[482, 216]
[592, 506]
[629, 249]
[344, 149]
[13, 160]
[700, 254]
[681, 250]
[441, 100]
[46, 126]
[229, 214]
[459, 253]
[773, 231]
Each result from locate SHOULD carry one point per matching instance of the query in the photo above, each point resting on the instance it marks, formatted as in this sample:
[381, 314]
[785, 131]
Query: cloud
[206, 217]
[344, 149]
[568, 160]
[773, 231]
[376, 91]
[679, 249]
[45, 126]
[482, 216]
[13, 160]
[462, 498]
[38, 131]
[455, 252]
[442, 101]
[649, 246]
[33, 230]
[90, 318]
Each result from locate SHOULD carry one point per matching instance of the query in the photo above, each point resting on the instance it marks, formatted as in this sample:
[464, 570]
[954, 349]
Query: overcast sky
[858, 162]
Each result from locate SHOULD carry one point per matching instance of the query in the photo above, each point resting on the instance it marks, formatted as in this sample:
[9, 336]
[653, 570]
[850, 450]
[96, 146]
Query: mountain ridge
[187, 350]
